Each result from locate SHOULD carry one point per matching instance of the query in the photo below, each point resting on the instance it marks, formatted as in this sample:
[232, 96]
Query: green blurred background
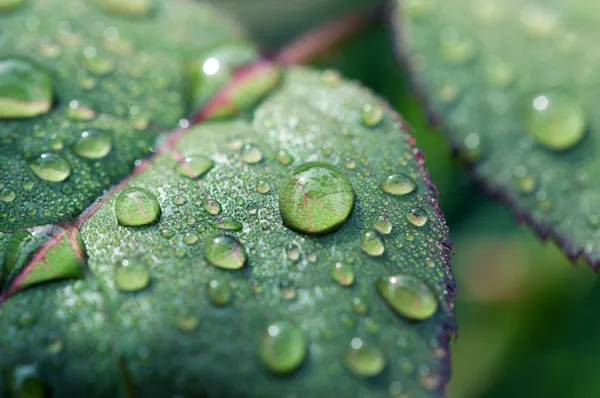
[526, 315]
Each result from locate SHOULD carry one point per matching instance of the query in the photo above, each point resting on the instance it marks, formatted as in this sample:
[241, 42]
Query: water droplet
[7, 5]
[219, 292]
[212, 206]
[92, 144]
[167, 233]
[235, 142]
[315, 198]
[364, 359]
[131, 276]
[326, 149]
[498, 73]
[383, 225]
[287, 290]
[225, 252]
[228, 223]
[187, 323]
[50, 167]
[456, 49]
[417, 217]
[25, 89]
[251, 154]
[7, 195]
[283, 347]
[134, 8]
[556, 120]
[398, 184]
[371, 115]
[371, 243]
[408, 296]
[292, 252]
[263, 186]
[137, 207]
[194, 166]
[190, 238]
[360, 307]
[77, 112]
[349, 163]
[285, 158]
[342, 274]
[96, 63]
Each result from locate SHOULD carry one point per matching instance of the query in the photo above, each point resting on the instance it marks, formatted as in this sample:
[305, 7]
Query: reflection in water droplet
[383, 225]
[7, 195]
[50, 167]
[219, 292]
[137, 207]
[194, 166]
[212, 206]
[342, 274]
[131, 276]
[315, 198]
[282, 347]
[92, 144]
[228, 223]
[25, 89]
[556, 120]
[224, 252]
[285, 158]
[371, 243]
[251, 154]
[417, 217]
[364, 359]
[371, 115]
[263, 186]
[408, 296]
[398, 184]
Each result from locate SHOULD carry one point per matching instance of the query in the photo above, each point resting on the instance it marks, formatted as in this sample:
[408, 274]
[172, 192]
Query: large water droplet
[228, 223]
[7, 195]
[194, 166]
[251, 154]
[129, 7]
[136, 207]
[92, 144]
[315, 198]
[132, 276]
[25, 89]
[398, 184]
[50, 167]
[371, 115]
[364, 358]
[371, 243]
[343, 274]
[417, 217]
[219, 292]
[556, 120]
[408, 296]
[225, 252]
[283, 347]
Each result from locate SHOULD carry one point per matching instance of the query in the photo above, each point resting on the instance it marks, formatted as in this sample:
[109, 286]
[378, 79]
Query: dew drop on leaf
[364, 358]
[282, 347]
[398, 184]
[228, 223]
[194, 166]
[408, 296]
[287, 290]
[132, 276]
[25, 89]
[96, 63]
[92, 144]
[555, 119]
[263, 186]
[137, 207]
[371, 115]
[343, 274]
[225, 252]
[383, 225]
[251, 154]
[212, 206]
[50, 167]
[7, 195]
[78, 112]
[292, 252]
[315, 198]
[219, 292]
[417, 217]
[371, 243]
[284, 157]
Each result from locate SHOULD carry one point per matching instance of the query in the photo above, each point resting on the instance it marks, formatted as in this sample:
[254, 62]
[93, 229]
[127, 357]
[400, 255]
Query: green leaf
[194, 307]
[513, 84]
[86, 87]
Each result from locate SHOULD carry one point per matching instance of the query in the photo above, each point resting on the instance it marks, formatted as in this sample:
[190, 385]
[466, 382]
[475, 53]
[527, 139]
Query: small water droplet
[96, 63]
[408, 296]
[342, 274]
[190, 238]
[287, 290]
[212, 206]
[383, 225]
[167, 233]
[92, 144]
[263, 186]
[371, 115]
[194, 166]
[25, 89]
[251, 154]
[219, 292]
[235, 143]
[292, 252]
[371, 243]
[398, 184]
[283, 347]
[417, 217]
[131, 276]
[364, 358]
[225, 252]
[360, 307]
[77, 112]
[284, 157]
[556, 120]
[187, 323]
[349, 163]
[7, 195]
[228, 223]
[137, 207]
[315, 198]
[50, 167]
